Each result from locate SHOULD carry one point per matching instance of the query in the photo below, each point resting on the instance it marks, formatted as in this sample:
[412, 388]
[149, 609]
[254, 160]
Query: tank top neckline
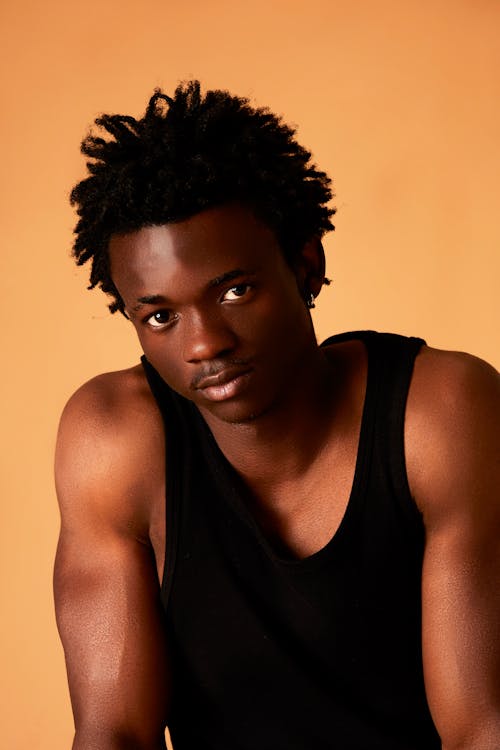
[229, 478]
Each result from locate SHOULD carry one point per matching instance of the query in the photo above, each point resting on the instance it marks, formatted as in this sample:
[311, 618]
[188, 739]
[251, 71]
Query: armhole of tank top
[172, 508]
[404, 351]
[172, 485]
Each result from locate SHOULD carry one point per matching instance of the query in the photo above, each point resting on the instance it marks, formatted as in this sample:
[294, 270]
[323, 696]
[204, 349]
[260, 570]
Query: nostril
[208, 342]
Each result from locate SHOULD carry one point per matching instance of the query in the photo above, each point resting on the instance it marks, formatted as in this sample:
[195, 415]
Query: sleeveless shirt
[322, 652]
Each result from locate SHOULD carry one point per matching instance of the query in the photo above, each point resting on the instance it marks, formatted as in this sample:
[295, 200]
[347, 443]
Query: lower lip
[226, 390]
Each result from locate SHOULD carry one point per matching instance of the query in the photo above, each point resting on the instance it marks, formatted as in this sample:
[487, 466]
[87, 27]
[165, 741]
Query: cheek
[283, 317]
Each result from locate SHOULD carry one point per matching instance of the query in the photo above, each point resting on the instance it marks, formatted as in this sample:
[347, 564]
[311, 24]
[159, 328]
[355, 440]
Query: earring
[310, 301]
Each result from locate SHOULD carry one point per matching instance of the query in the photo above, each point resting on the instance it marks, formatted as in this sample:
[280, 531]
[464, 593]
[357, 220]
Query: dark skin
[212, 297]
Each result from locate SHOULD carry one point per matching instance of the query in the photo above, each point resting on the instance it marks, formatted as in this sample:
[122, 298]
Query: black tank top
[323, 652]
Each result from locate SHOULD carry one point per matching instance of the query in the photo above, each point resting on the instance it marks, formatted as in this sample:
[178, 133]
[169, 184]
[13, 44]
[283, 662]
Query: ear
[310, 268]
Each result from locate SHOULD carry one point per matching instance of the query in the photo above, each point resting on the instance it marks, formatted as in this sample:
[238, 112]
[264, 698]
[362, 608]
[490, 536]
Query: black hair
[190, 152]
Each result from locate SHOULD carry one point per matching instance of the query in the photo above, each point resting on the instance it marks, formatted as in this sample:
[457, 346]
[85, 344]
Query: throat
[290, 436]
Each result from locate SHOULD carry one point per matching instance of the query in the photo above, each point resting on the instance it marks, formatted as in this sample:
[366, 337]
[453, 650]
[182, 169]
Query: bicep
[460, 631]
[110, 622]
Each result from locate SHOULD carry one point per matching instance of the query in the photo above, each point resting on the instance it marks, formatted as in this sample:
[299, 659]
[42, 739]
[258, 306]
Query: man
[265, 543]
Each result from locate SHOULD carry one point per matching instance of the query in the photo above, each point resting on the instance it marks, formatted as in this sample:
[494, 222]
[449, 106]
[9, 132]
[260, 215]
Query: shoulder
[110, 395]
[448, 386]
[451, 431]
[110, 449]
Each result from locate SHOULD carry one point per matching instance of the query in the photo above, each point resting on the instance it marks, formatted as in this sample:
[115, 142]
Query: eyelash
[244, 286]
[161, 326]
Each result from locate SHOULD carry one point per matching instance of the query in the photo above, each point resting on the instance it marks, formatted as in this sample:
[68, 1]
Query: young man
[265, 543]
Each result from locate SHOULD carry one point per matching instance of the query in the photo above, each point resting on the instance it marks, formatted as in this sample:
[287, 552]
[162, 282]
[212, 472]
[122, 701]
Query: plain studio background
[399, 102]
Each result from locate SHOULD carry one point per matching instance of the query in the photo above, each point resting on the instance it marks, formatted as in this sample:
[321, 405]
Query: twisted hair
[191, 152]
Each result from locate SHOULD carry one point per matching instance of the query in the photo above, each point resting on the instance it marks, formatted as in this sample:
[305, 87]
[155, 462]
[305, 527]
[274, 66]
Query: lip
[226, 384]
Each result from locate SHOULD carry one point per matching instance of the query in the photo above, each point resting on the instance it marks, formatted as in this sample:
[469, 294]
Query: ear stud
[310, 301]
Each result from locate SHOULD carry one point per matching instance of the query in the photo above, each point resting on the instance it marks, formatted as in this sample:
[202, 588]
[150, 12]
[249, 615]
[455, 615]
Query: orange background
[399, 101]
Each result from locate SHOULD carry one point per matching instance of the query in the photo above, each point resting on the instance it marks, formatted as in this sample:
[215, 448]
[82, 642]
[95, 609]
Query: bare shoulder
[452, 423]
[110, 450]
[111, 395]
[452, 385]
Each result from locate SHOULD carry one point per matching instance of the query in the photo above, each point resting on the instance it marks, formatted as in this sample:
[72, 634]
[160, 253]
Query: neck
[284, 441]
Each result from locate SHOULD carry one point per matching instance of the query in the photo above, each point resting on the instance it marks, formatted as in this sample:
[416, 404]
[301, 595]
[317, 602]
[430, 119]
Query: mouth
[226, 384]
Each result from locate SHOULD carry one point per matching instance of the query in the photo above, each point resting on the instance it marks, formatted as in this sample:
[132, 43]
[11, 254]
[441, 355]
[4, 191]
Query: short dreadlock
[190, 152]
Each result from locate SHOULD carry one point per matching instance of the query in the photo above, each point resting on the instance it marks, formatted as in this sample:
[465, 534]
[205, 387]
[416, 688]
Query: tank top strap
[181, 454]
[392, 358]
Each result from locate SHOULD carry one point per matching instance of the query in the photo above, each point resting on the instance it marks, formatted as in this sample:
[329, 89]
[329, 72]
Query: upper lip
[222, 377]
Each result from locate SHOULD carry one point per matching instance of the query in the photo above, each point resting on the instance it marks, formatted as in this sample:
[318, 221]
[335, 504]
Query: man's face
[217, 310]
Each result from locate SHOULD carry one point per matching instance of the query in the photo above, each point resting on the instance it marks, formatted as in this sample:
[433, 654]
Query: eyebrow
[148, 299]
[157, 299]
[228, 276]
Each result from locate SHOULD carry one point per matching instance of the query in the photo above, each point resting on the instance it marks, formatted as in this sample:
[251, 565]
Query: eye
[236, 292]
[159, 319]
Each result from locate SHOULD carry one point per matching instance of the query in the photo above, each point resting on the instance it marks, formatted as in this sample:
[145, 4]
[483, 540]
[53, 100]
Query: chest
[297, 517]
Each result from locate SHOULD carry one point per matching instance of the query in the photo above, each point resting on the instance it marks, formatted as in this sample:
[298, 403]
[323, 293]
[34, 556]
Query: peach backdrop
[399, 101]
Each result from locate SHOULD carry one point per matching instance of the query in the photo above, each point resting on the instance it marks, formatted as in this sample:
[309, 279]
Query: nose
[206, 337]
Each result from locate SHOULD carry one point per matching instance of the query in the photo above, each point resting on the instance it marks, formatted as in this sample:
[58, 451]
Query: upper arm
[452, 437]
[106, 587]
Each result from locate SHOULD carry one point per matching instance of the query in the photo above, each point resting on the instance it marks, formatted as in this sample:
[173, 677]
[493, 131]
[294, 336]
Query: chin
[234, 412]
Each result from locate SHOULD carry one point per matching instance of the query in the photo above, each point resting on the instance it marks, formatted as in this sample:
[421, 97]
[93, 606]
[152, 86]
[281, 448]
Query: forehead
[198, 249]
